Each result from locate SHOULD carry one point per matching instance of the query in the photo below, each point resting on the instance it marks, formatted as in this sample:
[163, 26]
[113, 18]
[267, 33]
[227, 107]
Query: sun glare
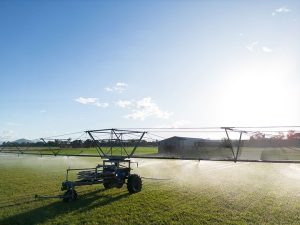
[257, 93]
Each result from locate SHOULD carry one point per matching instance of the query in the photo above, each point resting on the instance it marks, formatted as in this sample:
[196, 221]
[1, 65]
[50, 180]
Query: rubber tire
[134, 183]
[70, 196]
[119, 185]
[108, 185]
[112, 185]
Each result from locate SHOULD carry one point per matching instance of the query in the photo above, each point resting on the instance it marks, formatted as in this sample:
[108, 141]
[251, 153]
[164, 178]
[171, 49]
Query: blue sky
[75, 65]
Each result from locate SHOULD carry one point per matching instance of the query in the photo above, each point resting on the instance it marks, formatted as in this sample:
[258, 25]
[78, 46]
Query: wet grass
[84, 151]
[195, 193]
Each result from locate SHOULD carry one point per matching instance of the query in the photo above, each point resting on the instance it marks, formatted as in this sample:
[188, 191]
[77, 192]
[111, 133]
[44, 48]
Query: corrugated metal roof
[182, 138]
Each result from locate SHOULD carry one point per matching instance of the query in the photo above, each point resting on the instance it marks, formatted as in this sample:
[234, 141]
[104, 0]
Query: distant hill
[22, 141]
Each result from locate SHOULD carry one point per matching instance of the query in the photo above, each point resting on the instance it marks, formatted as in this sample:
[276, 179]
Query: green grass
[252, 153]
[246, 153]
[88, 151]
[197, 193]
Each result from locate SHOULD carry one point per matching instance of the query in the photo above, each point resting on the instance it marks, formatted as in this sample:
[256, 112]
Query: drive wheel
[134, 183]
[70, 196]
[108, 185]
[119, 185]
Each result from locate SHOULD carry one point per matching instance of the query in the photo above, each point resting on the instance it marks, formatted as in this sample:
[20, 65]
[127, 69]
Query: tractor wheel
[112, 185]
[70, 196]
[108, 185]
[134, 183]
[119, 185]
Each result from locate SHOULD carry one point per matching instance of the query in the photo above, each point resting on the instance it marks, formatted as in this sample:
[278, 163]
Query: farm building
[178, 146]
[185, 147]
[266, 149]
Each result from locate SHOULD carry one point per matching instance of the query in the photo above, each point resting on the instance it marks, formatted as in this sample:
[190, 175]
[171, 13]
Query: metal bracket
[235, 155]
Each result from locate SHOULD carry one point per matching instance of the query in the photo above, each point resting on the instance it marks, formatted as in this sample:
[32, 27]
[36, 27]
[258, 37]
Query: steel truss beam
[116, 136]
[234, 154]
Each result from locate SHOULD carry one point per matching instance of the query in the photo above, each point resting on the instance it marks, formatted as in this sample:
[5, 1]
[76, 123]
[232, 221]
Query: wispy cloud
[118, 87]
[124, 103]
[255, 46]
[43, 111]
[91, 101]
[6, 135]
[108, 89]
[266, 49]
[143, 108]
[280, 10]
[252, 46]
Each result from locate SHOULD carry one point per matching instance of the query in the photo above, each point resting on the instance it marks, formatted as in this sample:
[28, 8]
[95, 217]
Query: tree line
[88, 143]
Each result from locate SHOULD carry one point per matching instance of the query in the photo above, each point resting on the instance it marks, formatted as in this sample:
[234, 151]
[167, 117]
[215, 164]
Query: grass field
[84, 151]
[192, 193]
[246, 153]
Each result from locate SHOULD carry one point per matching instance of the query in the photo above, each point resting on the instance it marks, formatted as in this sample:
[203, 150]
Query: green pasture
[84, 151]
[174, 192]
[249, 153]
[246, 153]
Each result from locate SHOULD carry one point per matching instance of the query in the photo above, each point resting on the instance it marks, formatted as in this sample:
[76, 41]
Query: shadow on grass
[9, 204]
[84, 203]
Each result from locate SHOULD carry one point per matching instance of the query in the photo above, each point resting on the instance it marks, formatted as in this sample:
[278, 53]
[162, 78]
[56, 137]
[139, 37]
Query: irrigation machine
[115, 147]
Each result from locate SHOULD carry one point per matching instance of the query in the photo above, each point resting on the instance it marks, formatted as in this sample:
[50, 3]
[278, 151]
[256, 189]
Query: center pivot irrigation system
[114, 171]
[272, 144]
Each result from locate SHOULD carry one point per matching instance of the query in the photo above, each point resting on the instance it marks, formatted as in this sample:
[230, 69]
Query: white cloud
[118, 87]
[108, 89]
[85, 101]
[43, 111]
[144, 108]
[251, 46]
[91, 101]
[254, 45]
[6, 135]
[124, 104]
[280, 10]
[266, 49]
[102, 104]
